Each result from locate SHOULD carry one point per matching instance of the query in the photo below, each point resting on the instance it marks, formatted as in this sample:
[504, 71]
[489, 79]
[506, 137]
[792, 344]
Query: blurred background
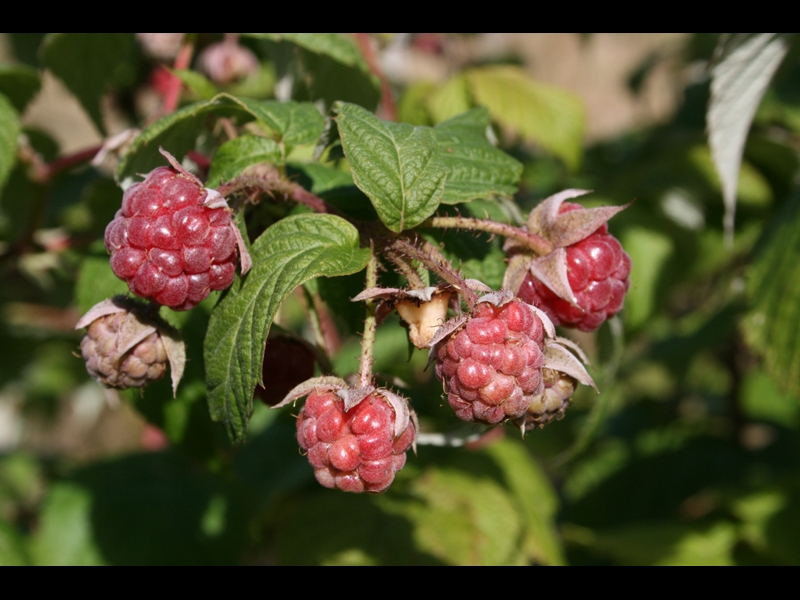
[689, 454]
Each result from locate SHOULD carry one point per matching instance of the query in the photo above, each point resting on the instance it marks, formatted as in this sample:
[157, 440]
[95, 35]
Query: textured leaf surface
[773, 324]
[87, 63]
[295, 123]
[19, 84]
[548, 116]
[397, 166]
[236, 155]
[288, 254]
[738, 83]
[476, 169]
[9, 130]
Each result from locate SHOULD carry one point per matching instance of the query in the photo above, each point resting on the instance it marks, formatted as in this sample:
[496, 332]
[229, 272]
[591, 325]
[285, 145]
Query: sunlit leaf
[288, 254]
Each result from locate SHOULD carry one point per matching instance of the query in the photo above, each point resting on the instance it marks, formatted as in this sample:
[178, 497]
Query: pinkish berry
[227, 62]
[492, 367]
[551, 403]
[111, 364]
[167, 245]
[598, 271]
[357, 450]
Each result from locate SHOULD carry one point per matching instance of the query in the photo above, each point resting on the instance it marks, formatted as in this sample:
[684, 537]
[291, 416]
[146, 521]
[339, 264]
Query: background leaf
[289, 253]
[738, 83]
[476, 169]
[19, 84]
[545, 115]
[9, 130]
[101, 56]
[773, 324]
[396, 165]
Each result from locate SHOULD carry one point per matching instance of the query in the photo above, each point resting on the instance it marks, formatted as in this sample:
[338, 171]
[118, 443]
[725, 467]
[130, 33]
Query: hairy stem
[430, 256]
[406, 269]
[536, 243]
[370, 325]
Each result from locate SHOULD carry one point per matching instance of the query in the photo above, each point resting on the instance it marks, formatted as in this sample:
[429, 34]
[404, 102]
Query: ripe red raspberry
[598, 271]
[358, 450]
[169, 244]
[492, 367]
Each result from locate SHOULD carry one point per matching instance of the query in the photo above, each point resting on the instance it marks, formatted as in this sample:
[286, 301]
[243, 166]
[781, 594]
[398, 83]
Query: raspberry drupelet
[168, 244]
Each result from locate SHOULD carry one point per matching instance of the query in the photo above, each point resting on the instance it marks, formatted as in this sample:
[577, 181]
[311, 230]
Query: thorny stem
[536, 243]
[370, 324]
[406, 269]
[433, 260]
[319, 336]
[269, 181]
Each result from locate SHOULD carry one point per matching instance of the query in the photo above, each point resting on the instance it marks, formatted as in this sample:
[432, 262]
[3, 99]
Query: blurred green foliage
[690, 455]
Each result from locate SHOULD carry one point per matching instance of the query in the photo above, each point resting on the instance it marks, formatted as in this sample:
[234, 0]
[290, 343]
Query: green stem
[430, 256]
[370, 324]
[536, 243]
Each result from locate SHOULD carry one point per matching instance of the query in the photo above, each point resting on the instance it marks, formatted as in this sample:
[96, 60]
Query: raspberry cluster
[356, 450]
[551, 402]
[492, 367]
[598, 271]
[167, 245]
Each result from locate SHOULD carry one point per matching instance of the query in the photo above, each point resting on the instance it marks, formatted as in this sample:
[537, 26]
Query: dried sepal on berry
[423, 310]
[125, 346]
[582, 281]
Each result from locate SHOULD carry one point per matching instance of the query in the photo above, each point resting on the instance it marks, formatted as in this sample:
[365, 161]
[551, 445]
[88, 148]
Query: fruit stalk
[536, 243]
[370, 325]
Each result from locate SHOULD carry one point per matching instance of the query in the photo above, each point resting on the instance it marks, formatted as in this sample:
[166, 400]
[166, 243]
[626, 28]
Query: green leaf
[296, 123]
[536, 501]
[197, 83]
[289, 253]
[236, 155]
[19, 84]
[12, 547]
[545, 115]
[476, 169]
[738, 83]
[178, 132]
[9, 131]
[396, 165]
[451, 99]
[96, 282]
[87, 64]
[332, 67]
[65, 535]
[339, 47]
[649, 250]
[773, 324]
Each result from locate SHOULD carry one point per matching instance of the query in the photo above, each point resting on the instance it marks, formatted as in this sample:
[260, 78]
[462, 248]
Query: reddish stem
[174, 91]
[66, 162]
[388, 106]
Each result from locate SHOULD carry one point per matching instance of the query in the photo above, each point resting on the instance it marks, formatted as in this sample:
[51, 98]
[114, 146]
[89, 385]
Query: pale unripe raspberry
[168, 244]
[124, 348]
[227, 62]
[358, 450]
[492, 367]
[551, 403]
